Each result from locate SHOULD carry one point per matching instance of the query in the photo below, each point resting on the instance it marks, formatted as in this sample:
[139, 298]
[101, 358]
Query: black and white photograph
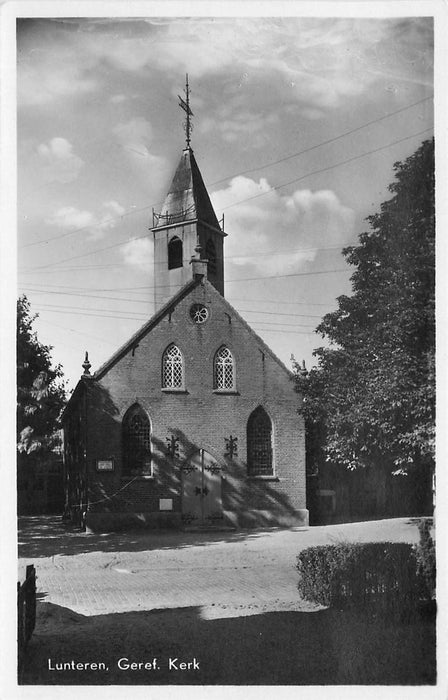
[223, 304]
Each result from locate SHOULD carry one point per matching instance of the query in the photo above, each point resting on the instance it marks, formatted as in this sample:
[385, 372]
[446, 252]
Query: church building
[193, 421]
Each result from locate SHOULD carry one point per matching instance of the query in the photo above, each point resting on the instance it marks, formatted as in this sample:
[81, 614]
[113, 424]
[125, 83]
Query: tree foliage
[40, 388]
[373, 389]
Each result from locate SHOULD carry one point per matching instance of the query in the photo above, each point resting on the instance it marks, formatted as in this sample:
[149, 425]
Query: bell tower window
[175, 253]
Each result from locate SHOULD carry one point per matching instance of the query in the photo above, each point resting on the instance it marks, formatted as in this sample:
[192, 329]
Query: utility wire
[85, 228]
[241, 279]
[244, 172]
[245, 311]
[242, 201]
[329, 167]
[269, 253]
[146, 318]
[72, 330]
[323, 143]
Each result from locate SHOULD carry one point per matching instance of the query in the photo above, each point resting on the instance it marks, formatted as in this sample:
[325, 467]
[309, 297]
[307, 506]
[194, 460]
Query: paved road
[222, 572]
[227, 601]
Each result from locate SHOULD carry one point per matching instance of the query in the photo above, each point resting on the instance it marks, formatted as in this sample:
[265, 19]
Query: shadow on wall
[246, 502]
[325, 647]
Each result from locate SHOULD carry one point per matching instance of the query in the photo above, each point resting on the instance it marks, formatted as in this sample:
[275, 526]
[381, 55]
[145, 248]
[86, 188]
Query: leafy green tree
[373, 390]
[40, 389]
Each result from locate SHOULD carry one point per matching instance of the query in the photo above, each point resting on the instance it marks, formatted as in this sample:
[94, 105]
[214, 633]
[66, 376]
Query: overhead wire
[145, 301]
[328, 167]
[324, 143]
[144, 318]
[247, 199]
[241, 279]
[261, 167]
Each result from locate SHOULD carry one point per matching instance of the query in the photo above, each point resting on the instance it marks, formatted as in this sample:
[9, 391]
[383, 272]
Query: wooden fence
[26, 610]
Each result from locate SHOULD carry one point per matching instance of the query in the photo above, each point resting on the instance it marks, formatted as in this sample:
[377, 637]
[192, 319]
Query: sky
[298, 122]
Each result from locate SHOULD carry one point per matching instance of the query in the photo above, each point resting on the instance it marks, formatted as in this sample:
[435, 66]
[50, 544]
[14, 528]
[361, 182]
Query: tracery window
[224, 369]
[175, 253]
[136, 442]
[210, 254]
[259, 443]
[172, 368]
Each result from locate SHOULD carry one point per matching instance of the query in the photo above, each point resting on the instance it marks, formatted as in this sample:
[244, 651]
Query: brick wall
[200, 418]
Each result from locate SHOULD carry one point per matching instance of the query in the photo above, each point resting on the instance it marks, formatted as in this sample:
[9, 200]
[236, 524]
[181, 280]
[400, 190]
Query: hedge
[380, 574]
[426, 558]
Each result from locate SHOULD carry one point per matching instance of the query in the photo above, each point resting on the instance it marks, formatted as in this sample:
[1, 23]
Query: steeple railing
[168, 218]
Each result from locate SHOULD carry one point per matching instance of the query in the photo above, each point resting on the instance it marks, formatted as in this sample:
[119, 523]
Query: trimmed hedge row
[380, 574]
[426, 558]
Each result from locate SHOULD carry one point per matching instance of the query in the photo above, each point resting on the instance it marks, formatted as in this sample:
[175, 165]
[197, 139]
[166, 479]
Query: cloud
[319, 62]
[139, 253]
[243, 126]
[60, 164]
[49, 70]
[71, 218]
[136, 129]
[95, 225]
[117, 99]
[135, 138]
[280, 233]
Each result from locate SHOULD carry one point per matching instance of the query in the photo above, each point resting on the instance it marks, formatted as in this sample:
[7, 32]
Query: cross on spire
[185, 105]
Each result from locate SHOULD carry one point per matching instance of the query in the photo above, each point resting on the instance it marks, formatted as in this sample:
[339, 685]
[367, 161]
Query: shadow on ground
[47, 535]
[278, 648]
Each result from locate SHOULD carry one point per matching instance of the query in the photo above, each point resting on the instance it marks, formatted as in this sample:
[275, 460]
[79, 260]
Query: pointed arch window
[224, 370]
[259, 443]
[136, 429]
[175, 253]
[172, 368]
[210, 255]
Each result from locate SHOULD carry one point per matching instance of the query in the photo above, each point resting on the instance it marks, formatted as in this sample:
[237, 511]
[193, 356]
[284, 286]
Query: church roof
[187, 196]
[154, 320]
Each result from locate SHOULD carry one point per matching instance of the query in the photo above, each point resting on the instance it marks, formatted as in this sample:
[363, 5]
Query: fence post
[26, 611]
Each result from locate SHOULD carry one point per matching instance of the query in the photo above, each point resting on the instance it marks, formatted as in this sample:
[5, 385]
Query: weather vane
[185, 105]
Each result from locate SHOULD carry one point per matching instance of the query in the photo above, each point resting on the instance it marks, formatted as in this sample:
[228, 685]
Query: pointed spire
[187, 197]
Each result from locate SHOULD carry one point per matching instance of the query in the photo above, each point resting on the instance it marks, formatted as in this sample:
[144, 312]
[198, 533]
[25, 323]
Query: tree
[373, 390]
[40, 389]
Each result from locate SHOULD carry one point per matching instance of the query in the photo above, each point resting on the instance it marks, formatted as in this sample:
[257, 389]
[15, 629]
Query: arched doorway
[201, 489]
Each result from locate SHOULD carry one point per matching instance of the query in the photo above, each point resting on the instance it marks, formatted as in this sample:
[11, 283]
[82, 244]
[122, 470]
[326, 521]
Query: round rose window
[199, 313]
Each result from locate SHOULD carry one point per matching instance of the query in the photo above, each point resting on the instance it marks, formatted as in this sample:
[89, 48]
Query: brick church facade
[193, 421]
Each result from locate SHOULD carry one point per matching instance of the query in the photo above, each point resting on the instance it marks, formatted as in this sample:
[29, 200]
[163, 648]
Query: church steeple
[187, 221]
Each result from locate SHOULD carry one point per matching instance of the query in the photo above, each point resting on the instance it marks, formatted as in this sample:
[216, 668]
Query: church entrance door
[201, 489]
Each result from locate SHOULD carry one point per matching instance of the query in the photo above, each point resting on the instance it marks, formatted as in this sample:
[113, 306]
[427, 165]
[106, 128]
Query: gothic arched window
[224, 369]
[172, 368]
[136, 442]
[210, 255]
[259, 443]
[175, 253]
